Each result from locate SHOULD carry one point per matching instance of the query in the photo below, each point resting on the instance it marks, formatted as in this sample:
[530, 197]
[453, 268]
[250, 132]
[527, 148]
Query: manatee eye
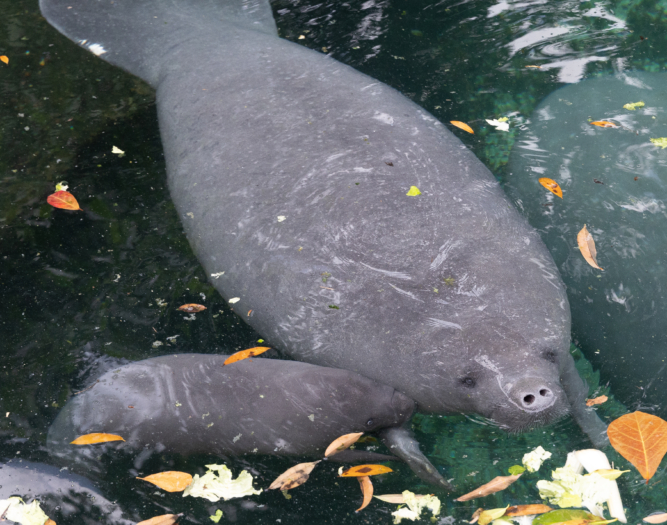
[550, 356]
[370, 423]
[468, 381]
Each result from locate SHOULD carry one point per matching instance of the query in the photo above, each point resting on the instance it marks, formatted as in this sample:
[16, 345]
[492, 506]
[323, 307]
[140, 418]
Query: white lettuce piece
[533, 460]
[215, 487]
[16, 510]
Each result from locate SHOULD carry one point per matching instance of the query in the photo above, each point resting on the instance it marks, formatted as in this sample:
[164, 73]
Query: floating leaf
[488, 516]
[563, 515]
[662, 142]
[527, 510]
[596, 401]
[536, 67]
[117, 151]
[552, 186]
[192, 308]
[495, 485]
[475, 516]
[462, 125]
[656, 517]
[245, 354]
[367, 490]
[396, 499]
[216, 518]
[171, 481]
[609, 473]
[413, 191]
[633, 105]
[342, 443]
[587, 247]
[516, 469]
[293, 477]
[604, 124]
[365, 470]
[3, 58]
[91, 439]
[63, 200]
[165, 519]
[641, 439]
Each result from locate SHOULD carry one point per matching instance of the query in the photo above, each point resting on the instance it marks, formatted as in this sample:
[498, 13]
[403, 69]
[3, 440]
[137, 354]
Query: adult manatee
[193, 403]
[614, 180]
[290, 172]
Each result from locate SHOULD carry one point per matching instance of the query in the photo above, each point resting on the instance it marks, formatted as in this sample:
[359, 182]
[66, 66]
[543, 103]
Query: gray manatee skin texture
[60, 493]
[290, 171]
[191, 403]
[619, 314]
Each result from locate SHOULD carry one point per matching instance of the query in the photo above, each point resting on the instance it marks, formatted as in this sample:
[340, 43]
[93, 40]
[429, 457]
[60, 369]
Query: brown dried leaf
[396, 499]
[476, 515]
[587, 247]
[171, 481]
[165, 519]
[596, 401]
[192, 308]
[658, 517]
[96, 437]
[495, 485]
[367, 490]
[294, 476]
[527, 510]
[342, 443]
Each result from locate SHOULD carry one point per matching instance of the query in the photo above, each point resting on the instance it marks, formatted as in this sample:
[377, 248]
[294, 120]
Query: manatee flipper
[403, 444]
[576, 390]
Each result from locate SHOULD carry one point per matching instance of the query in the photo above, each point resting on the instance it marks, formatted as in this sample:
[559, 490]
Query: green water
[82, 288]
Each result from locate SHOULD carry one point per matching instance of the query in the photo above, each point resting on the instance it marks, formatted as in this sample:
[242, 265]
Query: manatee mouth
[523, 421]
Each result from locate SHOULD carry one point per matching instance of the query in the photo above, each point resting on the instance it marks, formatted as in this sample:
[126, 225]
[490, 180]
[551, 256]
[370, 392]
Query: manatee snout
[533, 394]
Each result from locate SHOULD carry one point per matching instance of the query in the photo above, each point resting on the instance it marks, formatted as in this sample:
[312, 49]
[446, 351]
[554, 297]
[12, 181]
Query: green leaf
[633, 105]
[557, 516]
[662, 142]
[216, 518]
[414, 191]
[516, 469]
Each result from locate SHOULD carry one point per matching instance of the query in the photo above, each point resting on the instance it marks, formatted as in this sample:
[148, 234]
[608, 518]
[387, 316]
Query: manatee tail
[402, 443]
[138, 35]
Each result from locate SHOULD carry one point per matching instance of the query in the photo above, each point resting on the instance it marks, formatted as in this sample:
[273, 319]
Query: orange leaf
[192, 308]
[587, 247]
[365, 470]
[171, 481]
[294, 476]
[342, 443]
[527, 510]
[245, 354]
[605, 124]
[462, 125]
[49, 521]
[495, 485]
[367, 490]
[91, 439]
[641, 439]
[596, 401]
[4, 59]
[658, 517]
[552, 186]
[165, 519]
[63, 200]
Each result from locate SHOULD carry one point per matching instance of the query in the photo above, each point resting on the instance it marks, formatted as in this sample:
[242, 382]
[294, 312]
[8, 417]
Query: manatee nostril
[544, 392]
[529, 399]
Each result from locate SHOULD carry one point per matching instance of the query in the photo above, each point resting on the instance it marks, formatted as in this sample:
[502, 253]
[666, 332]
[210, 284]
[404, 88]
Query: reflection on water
[83, 291]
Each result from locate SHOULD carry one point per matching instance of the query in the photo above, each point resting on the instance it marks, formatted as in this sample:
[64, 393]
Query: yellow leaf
[4, 59]
[488, 516]
[662, 142]
[609, 473]
[527, 510]
[552, 186]
[596, 401]
[165, 519]
[294, 476]
[245, 354]
[91, 439]
[171, 481]
[641, 439]
[367, 490]
[633, 105]
[604, 124]
[461, 125]
[413, 191]
[587, 247]
[495, 485]
[342, 443]
[365, 470]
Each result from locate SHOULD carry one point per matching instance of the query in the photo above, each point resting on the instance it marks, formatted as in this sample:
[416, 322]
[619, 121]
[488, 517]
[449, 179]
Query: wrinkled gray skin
[618, 314]
[61, 494]
[193, 404]
[257, 129]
